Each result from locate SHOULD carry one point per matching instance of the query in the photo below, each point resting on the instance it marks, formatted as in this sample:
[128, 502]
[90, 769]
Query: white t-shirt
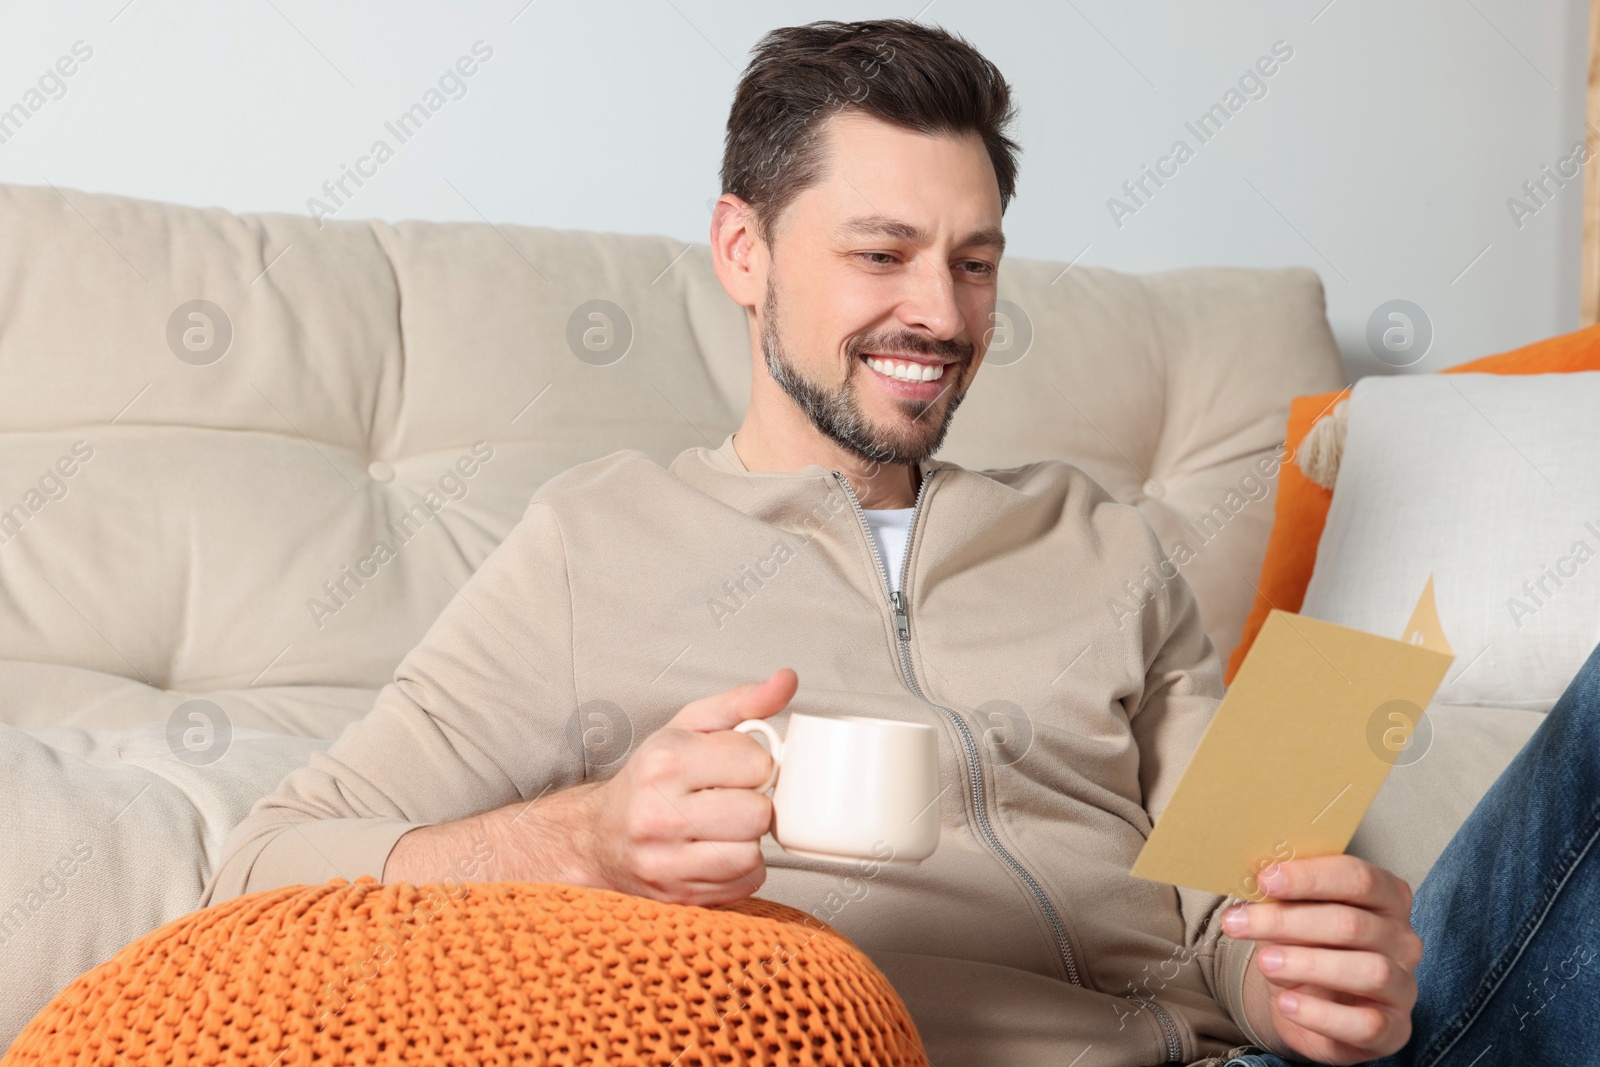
[890, 528]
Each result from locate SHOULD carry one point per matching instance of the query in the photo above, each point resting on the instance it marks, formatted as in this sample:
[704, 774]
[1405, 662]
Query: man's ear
[736, 251]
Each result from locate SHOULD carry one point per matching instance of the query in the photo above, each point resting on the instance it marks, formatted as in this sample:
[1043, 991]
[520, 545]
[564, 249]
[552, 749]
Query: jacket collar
[783, 498]
[727, 456]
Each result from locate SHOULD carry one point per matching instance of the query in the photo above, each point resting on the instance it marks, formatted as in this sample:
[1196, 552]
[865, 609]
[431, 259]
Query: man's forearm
[544, 840]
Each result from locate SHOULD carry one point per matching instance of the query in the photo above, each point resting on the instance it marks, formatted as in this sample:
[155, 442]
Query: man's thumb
[752, 700]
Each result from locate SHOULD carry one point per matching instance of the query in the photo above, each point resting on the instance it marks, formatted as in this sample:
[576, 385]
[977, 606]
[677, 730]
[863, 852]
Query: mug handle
[774, 746]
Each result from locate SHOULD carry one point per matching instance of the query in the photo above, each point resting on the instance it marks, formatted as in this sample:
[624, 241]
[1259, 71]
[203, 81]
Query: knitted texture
[476, 973]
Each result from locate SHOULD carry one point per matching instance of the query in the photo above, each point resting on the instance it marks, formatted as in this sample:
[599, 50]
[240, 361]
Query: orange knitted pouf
[476, 973]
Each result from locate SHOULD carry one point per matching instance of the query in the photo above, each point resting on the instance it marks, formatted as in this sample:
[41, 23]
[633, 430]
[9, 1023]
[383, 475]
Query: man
[568, 717]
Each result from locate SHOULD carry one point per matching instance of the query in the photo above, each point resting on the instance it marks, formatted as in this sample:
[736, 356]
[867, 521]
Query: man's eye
[975, 267]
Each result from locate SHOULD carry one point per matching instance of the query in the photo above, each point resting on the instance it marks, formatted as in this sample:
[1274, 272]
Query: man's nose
[929, 299]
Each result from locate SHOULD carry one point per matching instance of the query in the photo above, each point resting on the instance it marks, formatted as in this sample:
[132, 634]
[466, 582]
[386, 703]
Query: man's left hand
[1332, 978]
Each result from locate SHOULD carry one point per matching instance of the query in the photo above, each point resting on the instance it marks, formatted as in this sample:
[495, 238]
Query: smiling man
[569, 716]
[900, 304]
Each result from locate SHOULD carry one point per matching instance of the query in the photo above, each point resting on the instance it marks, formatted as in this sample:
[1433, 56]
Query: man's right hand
[680, 822]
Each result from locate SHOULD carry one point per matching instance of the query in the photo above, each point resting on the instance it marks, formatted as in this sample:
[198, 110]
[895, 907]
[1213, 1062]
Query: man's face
[882, 275]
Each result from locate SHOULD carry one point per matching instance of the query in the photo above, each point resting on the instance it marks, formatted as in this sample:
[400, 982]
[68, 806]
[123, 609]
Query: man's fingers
[734, 868]
[722, 862]
[710, 894]
[752, 700]
[679, 762]
[1364, 1027]
[725, 815]
[1336, 925]
[1343, 878]
[1365, 974]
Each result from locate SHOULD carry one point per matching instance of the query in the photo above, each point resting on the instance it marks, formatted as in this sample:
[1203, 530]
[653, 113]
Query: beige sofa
[190, 601]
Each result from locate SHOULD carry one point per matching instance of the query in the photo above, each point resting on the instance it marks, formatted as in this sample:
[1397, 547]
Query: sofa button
[1153, 488]
[380, 470]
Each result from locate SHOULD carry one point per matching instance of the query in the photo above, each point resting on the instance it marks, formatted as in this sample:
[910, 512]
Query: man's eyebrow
[883, 226]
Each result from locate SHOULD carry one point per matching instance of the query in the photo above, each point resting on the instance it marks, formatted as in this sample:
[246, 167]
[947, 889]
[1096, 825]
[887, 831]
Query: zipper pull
[902, 625]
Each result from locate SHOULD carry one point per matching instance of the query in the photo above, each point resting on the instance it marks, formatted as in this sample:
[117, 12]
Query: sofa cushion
[1488, 483]
[1302, 505]
[107, 835]
[1454, 755]
[290, 506]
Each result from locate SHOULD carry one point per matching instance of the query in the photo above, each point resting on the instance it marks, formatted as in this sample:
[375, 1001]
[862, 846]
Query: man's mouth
[912, 369]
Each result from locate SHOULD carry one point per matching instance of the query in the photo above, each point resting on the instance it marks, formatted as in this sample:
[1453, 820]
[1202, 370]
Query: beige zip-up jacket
[628, 590]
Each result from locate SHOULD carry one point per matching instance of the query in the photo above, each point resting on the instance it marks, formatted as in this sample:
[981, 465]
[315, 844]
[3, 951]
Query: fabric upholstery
[106, 837]
[1454, 756]
[514, 972]
[1498, 500]
[1302, 505]
[367, 358]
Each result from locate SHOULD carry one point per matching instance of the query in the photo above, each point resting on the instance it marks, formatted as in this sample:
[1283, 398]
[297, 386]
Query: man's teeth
[906, 372]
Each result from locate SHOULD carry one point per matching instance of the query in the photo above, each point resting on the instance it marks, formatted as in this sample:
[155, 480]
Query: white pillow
[1491, 483]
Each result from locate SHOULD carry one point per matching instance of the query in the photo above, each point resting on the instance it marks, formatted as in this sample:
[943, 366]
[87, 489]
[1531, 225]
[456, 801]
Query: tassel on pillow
[1319, 453]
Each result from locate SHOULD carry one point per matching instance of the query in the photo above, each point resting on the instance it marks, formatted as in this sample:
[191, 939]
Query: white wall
[1382, 154]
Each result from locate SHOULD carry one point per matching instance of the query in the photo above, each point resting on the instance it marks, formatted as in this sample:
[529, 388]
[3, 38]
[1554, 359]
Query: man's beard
[837, 414]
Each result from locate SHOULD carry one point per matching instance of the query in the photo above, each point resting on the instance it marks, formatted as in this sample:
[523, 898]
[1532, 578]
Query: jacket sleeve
[1183, 686]
[474, 719]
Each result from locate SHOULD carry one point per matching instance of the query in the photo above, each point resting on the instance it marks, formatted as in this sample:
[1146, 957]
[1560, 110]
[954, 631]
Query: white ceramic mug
[850, 788]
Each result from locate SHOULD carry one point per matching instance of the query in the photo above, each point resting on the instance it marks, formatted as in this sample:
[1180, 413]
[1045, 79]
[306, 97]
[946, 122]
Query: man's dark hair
[920, 78]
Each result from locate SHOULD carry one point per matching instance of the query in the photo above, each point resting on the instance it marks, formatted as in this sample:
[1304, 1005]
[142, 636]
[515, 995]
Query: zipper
[902, 624]
[902, 628]
[1174, 1046]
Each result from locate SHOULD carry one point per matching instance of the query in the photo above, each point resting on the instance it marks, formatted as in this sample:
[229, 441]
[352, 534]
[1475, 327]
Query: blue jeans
[1510, 913]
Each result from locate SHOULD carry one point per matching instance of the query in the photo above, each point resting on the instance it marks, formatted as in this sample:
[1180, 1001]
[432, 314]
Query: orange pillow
[477, 972]
[1302, 506]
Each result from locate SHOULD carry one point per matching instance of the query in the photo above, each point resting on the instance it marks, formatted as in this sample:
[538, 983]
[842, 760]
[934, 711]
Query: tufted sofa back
[251, 457]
